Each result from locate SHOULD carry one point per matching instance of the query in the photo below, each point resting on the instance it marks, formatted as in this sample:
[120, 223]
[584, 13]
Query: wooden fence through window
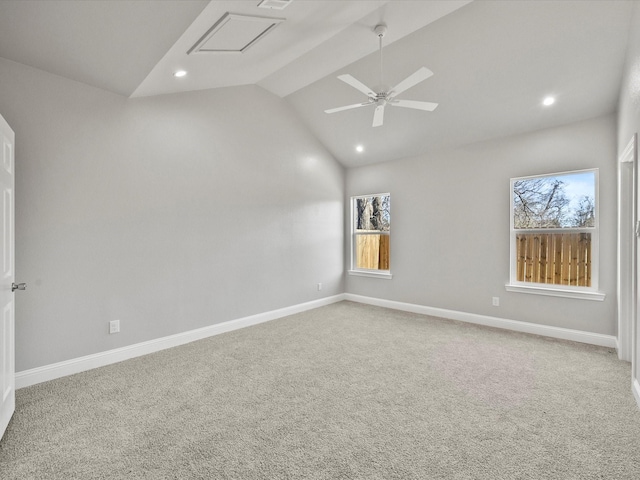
[554, 258]
[372, 252]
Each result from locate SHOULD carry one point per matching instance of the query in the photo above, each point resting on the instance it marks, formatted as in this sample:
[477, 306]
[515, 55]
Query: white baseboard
[76, 365]
[526, 327]
[635, 387]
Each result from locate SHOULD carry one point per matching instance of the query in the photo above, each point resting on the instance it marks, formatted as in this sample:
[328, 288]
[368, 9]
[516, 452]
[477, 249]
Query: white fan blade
[357, 84]
[348, 107]
[428, 106]
[410, 81]
[378, 116]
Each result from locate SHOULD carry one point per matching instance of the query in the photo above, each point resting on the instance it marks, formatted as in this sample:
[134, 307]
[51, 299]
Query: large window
[371, 229]
[554, 233]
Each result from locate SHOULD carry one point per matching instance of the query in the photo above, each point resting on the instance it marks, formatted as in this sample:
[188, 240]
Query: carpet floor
[346, 391]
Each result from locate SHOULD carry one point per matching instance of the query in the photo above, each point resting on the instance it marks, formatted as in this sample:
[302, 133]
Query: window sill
[556, 292]
[371, 273]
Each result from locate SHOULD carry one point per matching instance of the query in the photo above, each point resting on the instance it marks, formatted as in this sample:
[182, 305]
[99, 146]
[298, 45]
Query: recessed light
[359, 148]
[180, 73]
[548, 101]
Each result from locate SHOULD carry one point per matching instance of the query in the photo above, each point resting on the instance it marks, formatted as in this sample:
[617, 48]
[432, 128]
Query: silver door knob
[18, 286]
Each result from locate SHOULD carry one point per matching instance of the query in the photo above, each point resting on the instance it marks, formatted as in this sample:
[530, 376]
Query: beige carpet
[346, 391]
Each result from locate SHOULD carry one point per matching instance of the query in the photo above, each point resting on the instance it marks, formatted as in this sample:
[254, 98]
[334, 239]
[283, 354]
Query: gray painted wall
[629, 104]
[168, 213]
[450, 224]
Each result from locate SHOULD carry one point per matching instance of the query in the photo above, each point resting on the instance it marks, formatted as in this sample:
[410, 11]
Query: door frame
[627, 270]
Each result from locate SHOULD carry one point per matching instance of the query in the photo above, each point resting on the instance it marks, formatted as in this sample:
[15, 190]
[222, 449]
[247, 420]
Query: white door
[7, 349]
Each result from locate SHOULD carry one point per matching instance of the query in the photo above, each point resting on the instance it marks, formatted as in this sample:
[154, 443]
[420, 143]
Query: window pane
[554, 258]
[372, 251]
[555, 201]
[373, 213]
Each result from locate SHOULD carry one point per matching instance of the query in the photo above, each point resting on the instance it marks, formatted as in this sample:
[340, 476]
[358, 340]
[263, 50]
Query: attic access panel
[234, 33]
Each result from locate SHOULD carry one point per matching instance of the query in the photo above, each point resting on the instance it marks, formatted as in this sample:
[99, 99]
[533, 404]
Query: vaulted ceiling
[493, 61]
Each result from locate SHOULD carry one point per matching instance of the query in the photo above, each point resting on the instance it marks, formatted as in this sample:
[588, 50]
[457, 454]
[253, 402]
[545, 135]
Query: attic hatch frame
[229, 19]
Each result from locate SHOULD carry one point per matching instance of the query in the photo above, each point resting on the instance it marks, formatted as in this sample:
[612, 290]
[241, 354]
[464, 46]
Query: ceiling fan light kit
[386, 98]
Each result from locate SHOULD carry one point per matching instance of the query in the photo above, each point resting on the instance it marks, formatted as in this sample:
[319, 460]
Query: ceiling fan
[386, 96]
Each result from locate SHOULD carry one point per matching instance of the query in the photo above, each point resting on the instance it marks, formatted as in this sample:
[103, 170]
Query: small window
[554, 231]
[371, 228]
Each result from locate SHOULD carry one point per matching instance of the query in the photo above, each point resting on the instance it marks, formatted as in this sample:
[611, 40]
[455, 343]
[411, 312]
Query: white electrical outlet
[495, 301]
[319, 286]
[114, 326]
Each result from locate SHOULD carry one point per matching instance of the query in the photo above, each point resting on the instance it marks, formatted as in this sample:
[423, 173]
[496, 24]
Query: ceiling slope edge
[293, 38]
[402, 18]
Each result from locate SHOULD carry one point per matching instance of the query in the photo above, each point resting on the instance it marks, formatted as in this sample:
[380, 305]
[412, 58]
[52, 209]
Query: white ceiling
[109, 44]
[317, 38]
[493, 61]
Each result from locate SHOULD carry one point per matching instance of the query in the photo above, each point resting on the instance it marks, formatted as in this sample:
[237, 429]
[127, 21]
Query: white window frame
[365, 272]
[567, 291]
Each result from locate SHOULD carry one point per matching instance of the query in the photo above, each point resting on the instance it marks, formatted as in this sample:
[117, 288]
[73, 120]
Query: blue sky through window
[577, 186]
